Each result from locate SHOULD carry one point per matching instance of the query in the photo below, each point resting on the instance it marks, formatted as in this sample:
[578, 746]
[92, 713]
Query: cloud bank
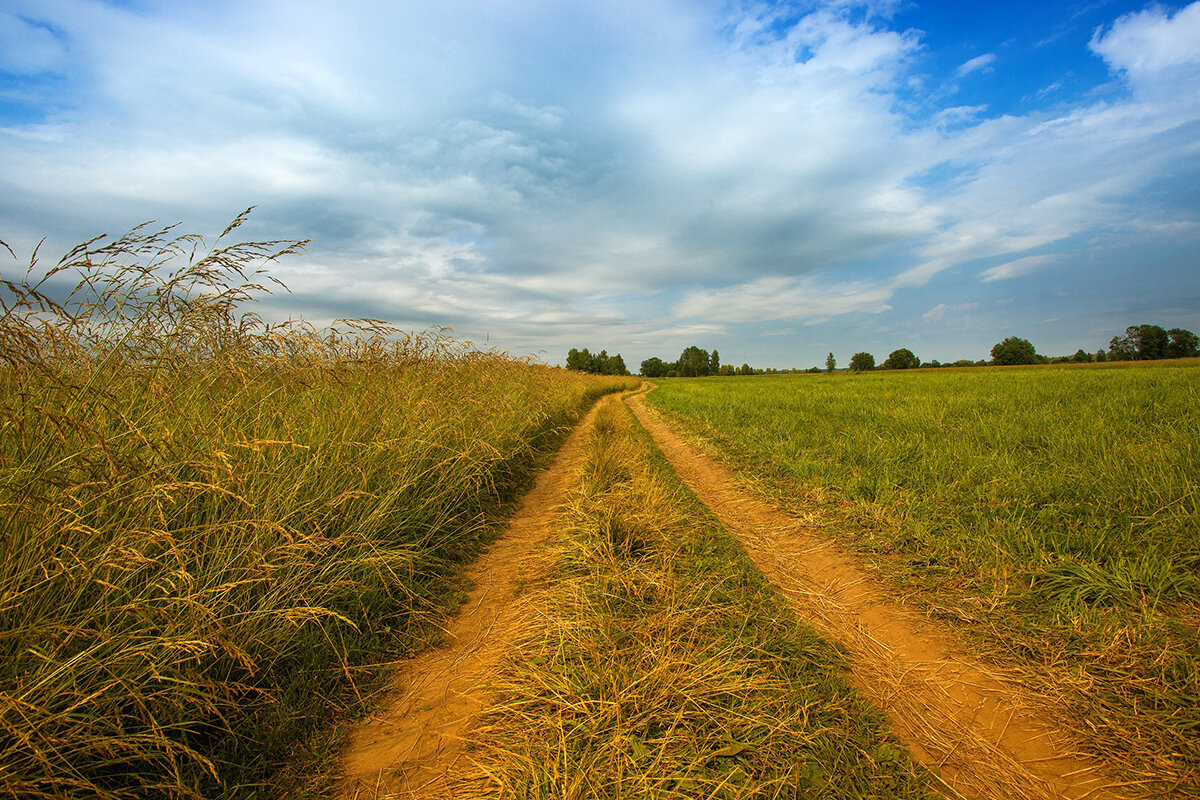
[599, 174]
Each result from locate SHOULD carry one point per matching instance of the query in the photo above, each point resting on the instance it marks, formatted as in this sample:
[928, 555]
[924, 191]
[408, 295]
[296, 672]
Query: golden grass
[212, 527]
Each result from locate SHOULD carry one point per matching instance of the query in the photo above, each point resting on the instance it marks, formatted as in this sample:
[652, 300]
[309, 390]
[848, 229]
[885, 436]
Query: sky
[774, 180]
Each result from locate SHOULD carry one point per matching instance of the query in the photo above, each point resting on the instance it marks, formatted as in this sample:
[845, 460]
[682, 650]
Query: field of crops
[213, 531]
[1051, 511]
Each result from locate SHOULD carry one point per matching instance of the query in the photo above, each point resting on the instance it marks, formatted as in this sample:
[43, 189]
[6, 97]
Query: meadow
[1050, 512]
[216, 533]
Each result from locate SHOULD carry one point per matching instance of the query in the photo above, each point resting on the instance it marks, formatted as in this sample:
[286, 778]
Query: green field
[1053, 512]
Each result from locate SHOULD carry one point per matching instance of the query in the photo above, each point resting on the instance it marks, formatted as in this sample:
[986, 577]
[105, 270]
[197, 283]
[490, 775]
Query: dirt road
[407, 748]
[986, 736]
[983, 734]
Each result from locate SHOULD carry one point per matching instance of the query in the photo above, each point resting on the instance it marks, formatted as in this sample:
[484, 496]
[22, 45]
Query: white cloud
[533, 169]
[981, 63]
[1150, 41]
[1014, 269]
[777, 298]
[942, 312]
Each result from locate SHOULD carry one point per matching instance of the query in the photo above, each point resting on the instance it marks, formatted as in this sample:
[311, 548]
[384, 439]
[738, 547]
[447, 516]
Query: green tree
[1014, 350]
[714, 363]
[902, 359]
[862, 362]
[579, 360]
[1082, 356]
[1152, 341]
[655, 368]
[1183, 344]
[830, 363]
[1121, 348]
[728, 369]
[745, 369]
[693, 363]
[598, 364]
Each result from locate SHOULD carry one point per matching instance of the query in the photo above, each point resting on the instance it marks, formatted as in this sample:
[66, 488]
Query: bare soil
[985, 736]
[412, 743]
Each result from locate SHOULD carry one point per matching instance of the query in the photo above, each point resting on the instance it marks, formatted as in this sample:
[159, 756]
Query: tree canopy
[598, 364]
[1152, 342]
[1012, 351]
[902, 359]
[862, 362]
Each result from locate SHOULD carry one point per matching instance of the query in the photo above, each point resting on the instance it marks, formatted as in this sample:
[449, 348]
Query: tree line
[597, 364]
[1139, 343]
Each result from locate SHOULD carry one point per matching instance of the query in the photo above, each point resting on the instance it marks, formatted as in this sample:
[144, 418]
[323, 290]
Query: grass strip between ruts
[662, 663]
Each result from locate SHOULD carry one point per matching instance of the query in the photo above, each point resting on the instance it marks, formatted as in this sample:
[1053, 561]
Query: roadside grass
[662, 664]
[215, 533]
[1053, 512]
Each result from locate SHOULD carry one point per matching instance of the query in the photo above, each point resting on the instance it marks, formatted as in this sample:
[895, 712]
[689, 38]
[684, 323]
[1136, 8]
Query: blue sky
[773, 180]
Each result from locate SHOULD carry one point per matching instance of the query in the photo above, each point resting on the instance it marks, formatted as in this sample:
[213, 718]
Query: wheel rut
[985, 736]
[413, 742]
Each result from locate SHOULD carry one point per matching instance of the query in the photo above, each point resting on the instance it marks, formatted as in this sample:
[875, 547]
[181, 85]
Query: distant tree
[901, 359]
[655, 368]
[1101, 356]
[579, 360]
[1183, 344]
[745, 369]
[728, 369]
[1152, 342]
[963, 362]
[1082, 357]
[813, 371]
[1121, 348]
[862, 362]
[693, 362]
[714, 363]
[830, 363]
[1014, 350]
[598, 364]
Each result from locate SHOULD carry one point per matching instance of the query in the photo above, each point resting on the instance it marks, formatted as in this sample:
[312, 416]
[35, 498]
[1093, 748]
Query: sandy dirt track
[985, 736]
[408, 747]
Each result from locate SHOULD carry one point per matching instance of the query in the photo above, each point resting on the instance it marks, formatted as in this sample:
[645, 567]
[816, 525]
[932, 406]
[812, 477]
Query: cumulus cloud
[1150, 41]
[538, 171]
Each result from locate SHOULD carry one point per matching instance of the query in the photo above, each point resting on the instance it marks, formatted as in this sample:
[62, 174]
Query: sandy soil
[409, 746]
[984, 735]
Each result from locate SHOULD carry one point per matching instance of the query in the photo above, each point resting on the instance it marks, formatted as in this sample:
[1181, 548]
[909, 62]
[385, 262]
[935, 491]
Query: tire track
[982, 734]
[409, 746]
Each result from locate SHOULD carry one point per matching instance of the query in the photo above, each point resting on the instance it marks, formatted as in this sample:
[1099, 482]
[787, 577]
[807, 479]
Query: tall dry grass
[210, 527]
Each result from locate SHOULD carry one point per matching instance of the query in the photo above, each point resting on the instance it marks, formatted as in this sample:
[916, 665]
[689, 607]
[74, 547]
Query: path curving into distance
[410, 745]
[985, 736]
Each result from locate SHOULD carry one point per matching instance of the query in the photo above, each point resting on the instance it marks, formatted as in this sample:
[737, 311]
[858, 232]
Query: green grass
[212, 530]
[1053, 511]
[662, 664]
